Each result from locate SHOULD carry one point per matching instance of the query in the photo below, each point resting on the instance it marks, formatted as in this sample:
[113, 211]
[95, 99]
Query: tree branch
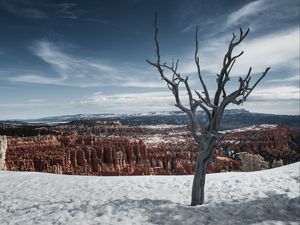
[228, 63]
[198, 68]
[173, 85]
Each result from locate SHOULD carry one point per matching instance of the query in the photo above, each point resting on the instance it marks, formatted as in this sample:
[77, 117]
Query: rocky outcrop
[38, 153]
[277, 163]
[270, 142]
[3, 148]
[113, 149]
[93, 155]
[224, 164]
[253, 162]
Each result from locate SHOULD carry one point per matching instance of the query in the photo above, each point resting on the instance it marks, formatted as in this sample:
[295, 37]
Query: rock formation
[270, 142]
[93, 155]
[3, 148]
[253, 162]
[277, 163]
[109, 148]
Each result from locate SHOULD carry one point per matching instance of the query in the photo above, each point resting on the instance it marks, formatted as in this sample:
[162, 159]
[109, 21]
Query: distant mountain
[233, 118]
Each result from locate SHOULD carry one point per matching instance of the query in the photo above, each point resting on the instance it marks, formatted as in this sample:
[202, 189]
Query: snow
[264, 197]
[158, 139]
[251, 128]
[162, 126]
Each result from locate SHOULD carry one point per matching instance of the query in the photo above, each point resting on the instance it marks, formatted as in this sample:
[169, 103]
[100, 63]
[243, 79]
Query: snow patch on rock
[251, 128]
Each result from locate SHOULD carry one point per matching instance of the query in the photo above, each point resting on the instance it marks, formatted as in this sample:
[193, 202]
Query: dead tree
[214, 108]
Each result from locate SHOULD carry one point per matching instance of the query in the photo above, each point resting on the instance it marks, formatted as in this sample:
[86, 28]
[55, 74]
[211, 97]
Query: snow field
[264, 197]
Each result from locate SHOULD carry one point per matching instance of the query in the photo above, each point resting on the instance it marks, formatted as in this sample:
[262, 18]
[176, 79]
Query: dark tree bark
[199, 178]
[205, 136]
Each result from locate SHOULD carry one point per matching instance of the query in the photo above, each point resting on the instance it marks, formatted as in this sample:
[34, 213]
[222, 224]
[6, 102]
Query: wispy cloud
[250, 9]
[66, 69]
[164, 100]
[143, 83]
[276, 93]
[30, 104]
[23, 9]
[66, 10]
[278, 50]
[287, 79]
[132, 102]
[36, 100]
[78, 71]
[37, 79]
[261, 14]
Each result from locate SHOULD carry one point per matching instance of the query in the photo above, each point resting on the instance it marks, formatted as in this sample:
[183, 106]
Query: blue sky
[70, 57]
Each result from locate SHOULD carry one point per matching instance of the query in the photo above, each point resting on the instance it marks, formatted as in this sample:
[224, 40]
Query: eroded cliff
[113, 149]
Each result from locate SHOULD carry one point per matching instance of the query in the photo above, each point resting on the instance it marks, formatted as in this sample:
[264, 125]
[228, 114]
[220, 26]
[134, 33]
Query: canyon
[108, 148]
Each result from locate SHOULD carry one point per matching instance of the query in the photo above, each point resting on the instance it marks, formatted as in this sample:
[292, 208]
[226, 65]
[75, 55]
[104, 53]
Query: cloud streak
[132, 102]
[278, 50]
[275, 93]
[250, 9]
[66, 69]
[23, 9]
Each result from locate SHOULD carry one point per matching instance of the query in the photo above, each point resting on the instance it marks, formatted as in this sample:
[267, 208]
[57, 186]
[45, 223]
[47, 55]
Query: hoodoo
[3, 147]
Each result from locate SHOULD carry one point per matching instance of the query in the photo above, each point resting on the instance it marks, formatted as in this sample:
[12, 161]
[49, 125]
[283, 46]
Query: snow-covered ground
[265, 197]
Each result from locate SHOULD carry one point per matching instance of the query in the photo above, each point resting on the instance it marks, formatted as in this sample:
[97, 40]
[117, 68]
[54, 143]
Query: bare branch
[190, 95]
[198, 68]
[228, 63]
[232, 64]
[203, 100]
[262, 76]
[243, 91]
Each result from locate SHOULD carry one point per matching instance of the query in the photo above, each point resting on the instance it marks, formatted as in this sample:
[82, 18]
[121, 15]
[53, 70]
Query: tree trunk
[204, 156]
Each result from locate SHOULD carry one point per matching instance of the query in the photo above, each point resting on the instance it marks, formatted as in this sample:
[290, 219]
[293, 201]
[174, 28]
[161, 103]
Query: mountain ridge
[233, 118]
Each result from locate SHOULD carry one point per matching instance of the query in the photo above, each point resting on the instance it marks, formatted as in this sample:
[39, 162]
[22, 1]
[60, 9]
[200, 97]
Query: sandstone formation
[270, 142]
[110, 148]
[92, 155]
[224, 164]
[3, 148]
[253, 162]
[277, 163]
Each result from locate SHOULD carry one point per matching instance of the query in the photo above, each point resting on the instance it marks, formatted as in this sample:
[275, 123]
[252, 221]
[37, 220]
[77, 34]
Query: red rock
[72, 153]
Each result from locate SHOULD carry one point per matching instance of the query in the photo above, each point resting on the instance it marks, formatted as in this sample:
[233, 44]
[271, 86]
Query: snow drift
[264, 197]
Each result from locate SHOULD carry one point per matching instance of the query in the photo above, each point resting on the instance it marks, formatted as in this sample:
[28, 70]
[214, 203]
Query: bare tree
[205, 136]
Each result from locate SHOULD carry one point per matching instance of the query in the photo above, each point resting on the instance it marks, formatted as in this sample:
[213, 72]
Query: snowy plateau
[264, 197]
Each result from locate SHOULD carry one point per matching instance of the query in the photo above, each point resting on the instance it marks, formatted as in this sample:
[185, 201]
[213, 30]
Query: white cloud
[279, 50]
[67, 69]
[31, 105]
[132, 102]
[275, 93]
[77, 71]
[287, 79]
[250, 9]
[38, 79]
[36, 100]
[144, 83]
[262, 14]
